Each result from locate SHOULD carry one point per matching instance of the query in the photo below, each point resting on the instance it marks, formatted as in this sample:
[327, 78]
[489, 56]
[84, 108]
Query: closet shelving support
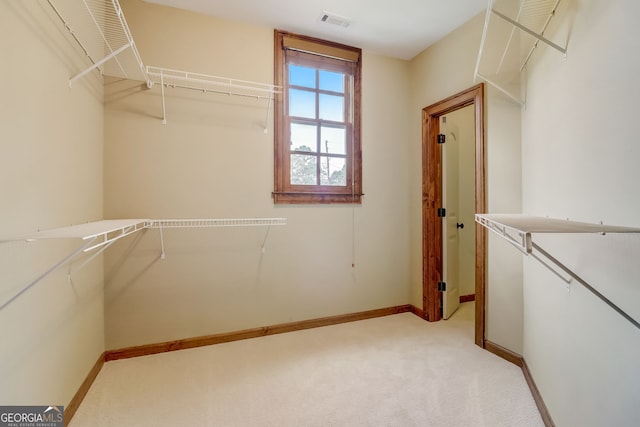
[518, 230]
[532, 19]
[93, 235]
[162, 224]
[211, 84]
[100, 235]
[100, 28]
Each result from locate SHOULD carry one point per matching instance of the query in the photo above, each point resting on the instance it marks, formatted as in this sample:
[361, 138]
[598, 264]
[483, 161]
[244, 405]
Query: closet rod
[204, 82]
[210, 84]
[220, 91]
[222, 222]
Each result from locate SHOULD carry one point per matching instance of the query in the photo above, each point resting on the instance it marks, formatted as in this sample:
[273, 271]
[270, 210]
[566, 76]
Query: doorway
[432, 205]
[457, 156]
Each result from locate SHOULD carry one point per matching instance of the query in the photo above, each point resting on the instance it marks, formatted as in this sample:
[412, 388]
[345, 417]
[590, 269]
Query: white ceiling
[396, 28]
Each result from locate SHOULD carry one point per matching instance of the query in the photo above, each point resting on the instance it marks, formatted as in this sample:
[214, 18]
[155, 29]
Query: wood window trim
[284, 192]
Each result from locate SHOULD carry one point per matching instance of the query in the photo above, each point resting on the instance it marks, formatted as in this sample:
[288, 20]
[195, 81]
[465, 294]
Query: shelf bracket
[102, 234]
[88, 260]
[164, 109]
[266, 119]
[517, 230]
[501, 89]
[59, 264]
[530, 32]
[264, 241]
[528, 10]
[162, 254]
[590, 288]
[99, 63]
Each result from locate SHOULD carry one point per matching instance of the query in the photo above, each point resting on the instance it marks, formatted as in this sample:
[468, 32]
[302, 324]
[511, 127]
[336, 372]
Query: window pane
[302, 76]
[331, 81]
[303, 169]
[333, 171]
[302, 103]
[332, 107]
[303, 137]
[333, 140]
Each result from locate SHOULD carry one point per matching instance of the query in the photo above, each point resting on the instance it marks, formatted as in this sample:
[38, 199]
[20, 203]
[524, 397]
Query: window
[317, 121]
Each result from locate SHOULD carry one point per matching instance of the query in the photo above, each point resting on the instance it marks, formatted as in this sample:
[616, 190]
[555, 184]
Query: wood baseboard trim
[417, 311]
[518, 360]
[537, 397]
[506, 354]
[467, 298]
[145, 350]
[72, 407]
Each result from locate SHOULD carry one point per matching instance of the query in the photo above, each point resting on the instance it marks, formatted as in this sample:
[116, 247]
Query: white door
[450, 253]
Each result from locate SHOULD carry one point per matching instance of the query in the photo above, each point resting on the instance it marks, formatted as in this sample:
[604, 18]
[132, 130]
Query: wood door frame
[432, 199]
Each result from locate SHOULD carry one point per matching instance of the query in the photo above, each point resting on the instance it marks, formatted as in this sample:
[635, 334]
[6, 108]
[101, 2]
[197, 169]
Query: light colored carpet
[392, 371]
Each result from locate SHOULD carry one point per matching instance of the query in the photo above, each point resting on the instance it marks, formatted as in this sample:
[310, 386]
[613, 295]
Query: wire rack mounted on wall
[227, 222]
[512, 31]
[97, 236]
[211, 84]
[100, 28]
[518, 230]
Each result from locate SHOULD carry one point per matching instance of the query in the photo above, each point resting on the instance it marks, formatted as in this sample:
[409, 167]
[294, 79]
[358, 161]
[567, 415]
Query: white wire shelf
[215, 84]
[518, 229]
[105, 231]
[100, 235]
[168, 78]
[203, 223]
[512, 31]
[100, 28]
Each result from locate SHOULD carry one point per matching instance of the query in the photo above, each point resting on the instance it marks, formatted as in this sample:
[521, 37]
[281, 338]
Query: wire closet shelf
[215, 84]
[97, 236]
[168, 78]
[512, 31]
[518, 230]
[100, 29]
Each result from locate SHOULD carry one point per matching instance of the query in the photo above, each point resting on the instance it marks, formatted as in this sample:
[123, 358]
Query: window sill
[316, 198]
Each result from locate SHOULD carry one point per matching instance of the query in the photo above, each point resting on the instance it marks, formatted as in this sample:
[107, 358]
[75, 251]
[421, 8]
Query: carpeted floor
[391, 371]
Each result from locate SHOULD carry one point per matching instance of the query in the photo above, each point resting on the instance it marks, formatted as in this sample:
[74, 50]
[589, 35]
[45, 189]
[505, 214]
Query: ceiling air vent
[332, 18]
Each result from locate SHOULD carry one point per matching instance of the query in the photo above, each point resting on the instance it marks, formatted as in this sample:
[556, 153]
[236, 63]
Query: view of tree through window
[317, 124]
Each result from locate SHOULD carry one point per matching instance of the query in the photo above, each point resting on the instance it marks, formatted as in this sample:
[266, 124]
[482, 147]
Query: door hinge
[442, 212]
[441, 138]
[442, 286]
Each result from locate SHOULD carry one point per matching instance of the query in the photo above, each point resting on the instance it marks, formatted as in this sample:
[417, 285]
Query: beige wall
[580, 161]
[212, 160]
[50, 176]
[442, 70]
